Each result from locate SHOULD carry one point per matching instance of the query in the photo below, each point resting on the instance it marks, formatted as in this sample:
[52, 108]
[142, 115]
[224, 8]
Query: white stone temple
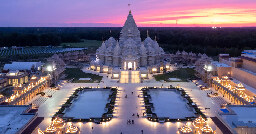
[130, 53]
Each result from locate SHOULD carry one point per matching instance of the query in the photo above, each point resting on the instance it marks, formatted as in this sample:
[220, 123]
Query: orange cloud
[203, 17]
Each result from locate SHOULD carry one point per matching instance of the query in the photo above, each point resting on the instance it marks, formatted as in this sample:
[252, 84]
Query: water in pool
[89, 104]
[169, 104]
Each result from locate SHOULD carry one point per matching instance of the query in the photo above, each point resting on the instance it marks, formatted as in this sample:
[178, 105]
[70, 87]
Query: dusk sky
[72, 13]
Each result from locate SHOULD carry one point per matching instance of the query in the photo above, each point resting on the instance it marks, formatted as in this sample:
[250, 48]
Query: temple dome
[117, 50]
[143, 50]
[110, 42]
[148, 40]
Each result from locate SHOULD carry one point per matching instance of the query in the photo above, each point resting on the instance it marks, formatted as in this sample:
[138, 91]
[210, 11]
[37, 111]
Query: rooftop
[218, 64]
[249, 54]
[240, 116]
[13, 118]
[22, 65]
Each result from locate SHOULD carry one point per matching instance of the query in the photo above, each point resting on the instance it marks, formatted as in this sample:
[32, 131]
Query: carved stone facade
[130, 52]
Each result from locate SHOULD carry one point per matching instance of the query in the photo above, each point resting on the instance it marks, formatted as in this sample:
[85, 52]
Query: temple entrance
[129, 65]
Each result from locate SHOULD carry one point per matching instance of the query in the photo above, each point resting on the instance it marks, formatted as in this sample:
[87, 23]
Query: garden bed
[183, 74]
[75, 74]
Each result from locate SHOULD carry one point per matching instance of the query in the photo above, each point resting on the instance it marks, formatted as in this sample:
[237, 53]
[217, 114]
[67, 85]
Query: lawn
[181, 73]
[90, 44]
[76, 73]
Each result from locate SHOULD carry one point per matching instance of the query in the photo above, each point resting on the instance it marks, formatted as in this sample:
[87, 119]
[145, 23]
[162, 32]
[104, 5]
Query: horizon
[147, 13]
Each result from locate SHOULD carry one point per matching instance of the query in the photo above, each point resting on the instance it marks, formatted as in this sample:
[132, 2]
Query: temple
[130, 53]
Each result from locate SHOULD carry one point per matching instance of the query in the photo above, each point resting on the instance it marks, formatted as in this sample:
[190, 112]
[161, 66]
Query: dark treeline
[203, 40]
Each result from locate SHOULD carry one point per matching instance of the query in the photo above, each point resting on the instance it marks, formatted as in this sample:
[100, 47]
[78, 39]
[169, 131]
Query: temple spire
[130, 11]
[147, 34]
[130, 30]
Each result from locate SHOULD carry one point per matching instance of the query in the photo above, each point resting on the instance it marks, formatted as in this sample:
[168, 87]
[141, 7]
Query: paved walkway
[126, 107]
[123, 111]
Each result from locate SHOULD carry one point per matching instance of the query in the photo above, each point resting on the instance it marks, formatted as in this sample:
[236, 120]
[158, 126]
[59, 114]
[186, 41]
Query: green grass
[90, 44]
[77, 73]
[181, 73]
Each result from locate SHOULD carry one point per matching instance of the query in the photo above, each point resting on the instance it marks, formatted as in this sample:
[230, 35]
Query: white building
[23, 66]
[129, 53]
[239, 119]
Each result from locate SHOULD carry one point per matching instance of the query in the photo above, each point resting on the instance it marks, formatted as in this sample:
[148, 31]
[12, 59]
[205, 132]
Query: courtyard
[126, 107]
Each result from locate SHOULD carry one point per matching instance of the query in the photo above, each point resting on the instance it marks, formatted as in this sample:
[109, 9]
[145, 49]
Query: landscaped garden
[95, 105]
[182, 75]
[169, 104]
[75, 74]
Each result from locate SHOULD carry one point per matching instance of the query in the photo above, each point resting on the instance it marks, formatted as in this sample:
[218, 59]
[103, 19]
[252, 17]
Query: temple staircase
[130, 77]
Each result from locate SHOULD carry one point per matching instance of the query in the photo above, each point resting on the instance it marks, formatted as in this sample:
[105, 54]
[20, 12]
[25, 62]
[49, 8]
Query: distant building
[185, 58]
[23, 66]
[233, 77]
[74, 56]
[15, 78]
[55, 66]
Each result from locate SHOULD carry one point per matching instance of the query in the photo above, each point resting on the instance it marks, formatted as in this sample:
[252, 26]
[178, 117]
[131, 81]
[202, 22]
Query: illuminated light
[240, 86]
[207, 130]
[115, 75]
[199, 122]
[72, 129]
[49, 68]
[39, 131]
[167, 66]
[154, 69]
[143, 75]
[225, 77]
[209, 68]
[58, 122]
[98, 68]
[33, 77]
[51, 129]
[124, 65]
[92, 67]
[178, 124]
[26, 89]
[129, 65]
[105, 69]
[12, 74]
[185, 129]
[168, 124]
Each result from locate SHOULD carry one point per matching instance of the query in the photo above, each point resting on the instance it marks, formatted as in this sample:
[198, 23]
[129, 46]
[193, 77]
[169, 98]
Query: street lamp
[49, 68]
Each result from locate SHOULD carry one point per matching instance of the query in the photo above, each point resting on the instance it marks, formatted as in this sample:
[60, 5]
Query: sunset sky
[104, 13]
